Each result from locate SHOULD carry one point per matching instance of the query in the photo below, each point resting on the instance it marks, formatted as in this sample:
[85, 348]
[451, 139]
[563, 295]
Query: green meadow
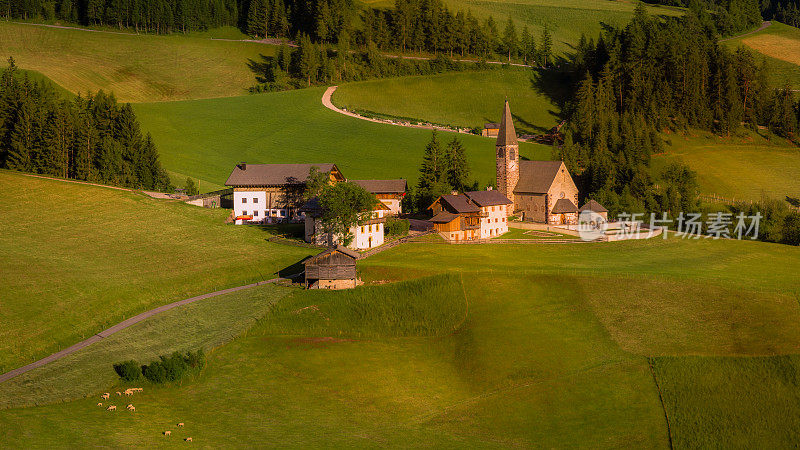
[741, 167]
[779, 45]
[135, 67]
[466, 100]
[206, 138]
[77, 259]
[534, 346]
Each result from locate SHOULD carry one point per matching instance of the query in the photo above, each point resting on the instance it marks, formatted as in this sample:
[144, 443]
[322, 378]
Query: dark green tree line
[89, 138]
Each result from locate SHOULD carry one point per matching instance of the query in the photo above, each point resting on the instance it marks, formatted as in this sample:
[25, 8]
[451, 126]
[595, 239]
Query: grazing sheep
[168, 433]
[180, 424]
[105, 396]
[128, 392]
[132, 409]
[130, 405]
[111, 408]
[119, 393]
[188, 439]
[99, 404]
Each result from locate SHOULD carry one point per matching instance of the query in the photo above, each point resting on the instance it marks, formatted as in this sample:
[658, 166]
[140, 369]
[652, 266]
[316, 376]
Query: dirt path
[123, 325]
[326, 101]
[763, 26]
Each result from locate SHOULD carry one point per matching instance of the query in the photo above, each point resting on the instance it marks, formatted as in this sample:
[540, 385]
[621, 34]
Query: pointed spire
[507, 134]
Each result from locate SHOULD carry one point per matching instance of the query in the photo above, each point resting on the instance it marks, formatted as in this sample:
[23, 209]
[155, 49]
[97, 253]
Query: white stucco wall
[496, 223]
[254, 203]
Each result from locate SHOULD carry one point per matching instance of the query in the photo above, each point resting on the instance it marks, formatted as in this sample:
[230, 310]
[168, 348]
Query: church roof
[592, 205]
[536, 177]
[488, 198]
[273, 174]
[564, 206]
[507, 134]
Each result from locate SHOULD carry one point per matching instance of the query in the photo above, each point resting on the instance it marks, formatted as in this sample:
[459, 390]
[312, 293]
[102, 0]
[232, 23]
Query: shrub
[128, 370]
[166, 368]
[155, 372]
[174, 366]
[396, 227]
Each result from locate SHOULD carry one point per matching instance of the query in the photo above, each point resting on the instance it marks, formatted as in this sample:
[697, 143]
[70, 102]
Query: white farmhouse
[366, 236]
[495, 209]
[272, 192]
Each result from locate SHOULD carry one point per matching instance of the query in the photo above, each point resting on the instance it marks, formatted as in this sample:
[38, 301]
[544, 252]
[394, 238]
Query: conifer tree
[510, 43]
[457, 165]
[547, 46]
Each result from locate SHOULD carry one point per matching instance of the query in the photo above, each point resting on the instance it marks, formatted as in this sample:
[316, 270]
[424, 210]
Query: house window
[255, 213]
[244, 200]
[283, 213]
[255, 199]
[244, 213]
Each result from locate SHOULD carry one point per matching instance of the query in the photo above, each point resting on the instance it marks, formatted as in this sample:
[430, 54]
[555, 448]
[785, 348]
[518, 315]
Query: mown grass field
[76, 259]
[136, 68]
[746, 167]
[468, 99]
[779, 44]
[206, 138]
[536, 345]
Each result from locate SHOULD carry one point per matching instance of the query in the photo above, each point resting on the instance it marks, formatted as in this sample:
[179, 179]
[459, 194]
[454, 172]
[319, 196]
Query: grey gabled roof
[564, 206]
[491, 125]
[536, 177]
[488, 198]
[339, 248]
[507, 134]
[398, 186]
[592, 205]
[458, 204]
[273, 174]
[444, 217]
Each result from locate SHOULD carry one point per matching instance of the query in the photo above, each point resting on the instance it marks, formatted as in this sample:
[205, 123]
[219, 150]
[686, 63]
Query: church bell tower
[507, 155]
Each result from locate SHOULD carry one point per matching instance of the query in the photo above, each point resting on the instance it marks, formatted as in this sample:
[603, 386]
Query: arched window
[500, 152]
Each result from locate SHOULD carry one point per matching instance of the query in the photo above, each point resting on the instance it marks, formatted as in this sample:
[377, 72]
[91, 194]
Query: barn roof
[507, 134]
[339, 248]
[398, 186]
[273, 174]
[488, 198]
[458, 204]
[592, 205]
[444, 217]
[564, 206]
[536, 177]
[491, 126]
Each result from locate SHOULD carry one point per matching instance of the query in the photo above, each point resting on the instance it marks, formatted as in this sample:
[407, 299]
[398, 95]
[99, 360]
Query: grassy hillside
[779, 44]
[520, 347]
[135, 67]
[206, 138]
[468, 99]
[77, 259]
[738, 167]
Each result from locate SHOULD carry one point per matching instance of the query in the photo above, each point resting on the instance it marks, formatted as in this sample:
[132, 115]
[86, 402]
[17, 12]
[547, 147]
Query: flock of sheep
[131, 408]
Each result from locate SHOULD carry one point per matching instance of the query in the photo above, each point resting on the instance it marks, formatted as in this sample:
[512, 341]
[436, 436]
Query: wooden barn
[334, 268]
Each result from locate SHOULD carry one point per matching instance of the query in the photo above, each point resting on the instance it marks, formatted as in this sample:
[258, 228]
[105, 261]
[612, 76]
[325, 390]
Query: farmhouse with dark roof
[471, 215]
[272, 192]
[541, 191]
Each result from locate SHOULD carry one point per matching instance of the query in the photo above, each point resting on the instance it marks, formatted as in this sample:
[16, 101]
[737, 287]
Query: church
[540, 191]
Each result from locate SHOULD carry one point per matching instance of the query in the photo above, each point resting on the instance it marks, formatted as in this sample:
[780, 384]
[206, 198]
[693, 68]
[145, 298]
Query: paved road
[121, 326]
[326, 101]
[764, 25]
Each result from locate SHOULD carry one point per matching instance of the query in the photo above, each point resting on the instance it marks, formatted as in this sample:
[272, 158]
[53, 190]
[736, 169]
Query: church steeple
[507, 134]
[507, 156]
